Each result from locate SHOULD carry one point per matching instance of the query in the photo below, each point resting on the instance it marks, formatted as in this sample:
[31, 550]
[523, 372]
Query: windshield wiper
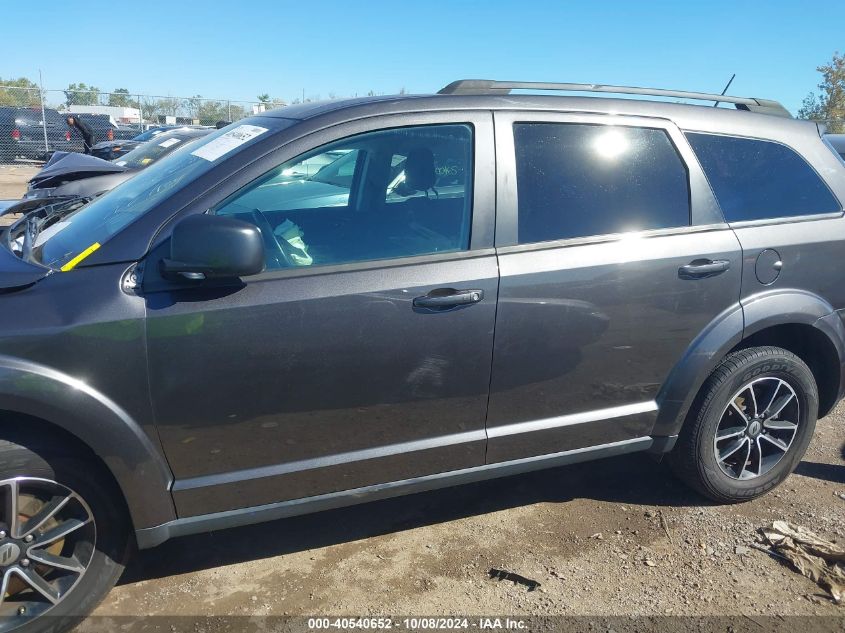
[32, 228]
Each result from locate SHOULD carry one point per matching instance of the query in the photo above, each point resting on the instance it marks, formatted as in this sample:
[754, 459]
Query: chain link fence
[33, 121]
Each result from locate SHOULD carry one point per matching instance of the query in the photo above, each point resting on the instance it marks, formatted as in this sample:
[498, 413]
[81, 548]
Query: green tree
[150, 110]
[19, 92]
[271, 102]
[235, 112]
[80, 94]
[192, 106]
[120, 97]
[169, 106]
[829, 104]
[210, 112]
[153, 109]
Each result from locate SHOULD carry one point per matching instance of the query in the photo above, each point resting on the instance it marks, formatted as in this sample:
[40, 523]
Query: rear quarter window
[759, 180]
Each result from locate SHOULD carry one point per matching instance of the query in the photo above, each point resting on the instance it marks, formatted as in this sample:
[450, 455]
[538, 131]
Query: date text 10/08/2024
[417, 623]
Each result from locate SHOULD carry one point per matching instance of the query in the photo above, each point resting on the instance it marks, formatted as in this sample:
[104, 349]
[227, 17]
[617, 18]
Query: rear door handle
[701, 268]
[448, 298]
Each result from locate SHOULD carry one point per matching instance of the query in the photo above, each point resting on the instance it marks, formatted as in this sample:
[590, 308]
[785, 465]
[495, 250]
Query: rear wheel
[750, 425]
[64, 538]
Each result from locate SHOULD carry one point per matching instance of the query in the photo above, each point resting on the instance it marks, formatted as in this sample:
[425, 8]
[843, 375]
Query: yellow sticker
[72, 263]
[146, 161]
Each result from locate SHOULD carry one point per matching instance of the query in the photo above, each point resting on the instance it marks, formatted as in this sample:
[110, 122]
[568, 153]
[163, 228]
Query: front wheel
[749, 426]
[63, 539]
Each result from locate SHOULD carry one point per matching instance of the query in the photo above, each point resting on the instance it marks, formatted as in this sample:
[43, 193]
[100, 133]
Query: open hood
[16, 273]
[64, 166]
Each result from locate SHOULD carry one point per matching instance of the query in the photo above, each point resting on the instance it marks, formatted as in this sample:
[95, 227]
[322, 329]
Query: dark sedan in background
[78, 175]
[22, 132]
[112, 149]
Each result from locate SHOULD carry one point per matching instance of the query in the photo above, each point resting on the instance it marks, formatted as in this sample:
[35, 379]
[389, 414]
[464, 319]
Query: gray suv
[487, 284]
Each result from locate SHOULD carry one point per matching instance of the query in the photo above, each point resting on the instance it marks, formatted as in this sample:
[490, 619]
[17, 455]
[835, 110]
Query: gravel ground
[613, 537]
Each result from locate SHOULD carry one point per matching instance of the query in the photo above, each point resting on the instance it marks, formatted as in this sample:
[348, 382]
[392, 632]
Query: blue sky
[242, 49]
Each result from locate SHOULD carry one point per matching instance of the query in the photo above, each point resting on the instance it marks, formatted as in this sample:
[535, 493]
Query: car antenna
[727, 85]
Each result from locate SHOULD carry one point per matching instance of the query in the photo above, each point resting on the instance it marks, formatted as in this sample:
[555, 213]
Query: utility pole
[43, 114]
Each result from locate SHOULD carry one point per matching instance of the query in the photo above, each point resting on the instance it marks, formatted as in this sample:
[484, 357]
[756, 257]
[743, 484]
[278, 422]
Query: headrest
[419, 169]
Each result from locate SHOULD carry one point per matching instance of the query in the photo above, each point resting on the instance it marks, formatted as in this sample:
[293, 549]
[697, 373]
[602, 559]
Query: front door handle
[444, 298]
[702, 268]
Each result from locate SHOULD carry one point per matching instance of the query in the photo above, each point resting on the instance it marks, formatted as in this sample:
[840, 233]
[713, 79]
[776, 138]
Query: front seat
[419, 170]
[442, 217]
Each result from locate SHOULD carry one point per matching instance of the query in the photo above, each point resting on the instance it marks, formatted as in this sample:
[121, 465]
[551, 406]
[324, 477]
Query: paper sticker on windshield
[225, 143]
[170, 142]
[120, 163]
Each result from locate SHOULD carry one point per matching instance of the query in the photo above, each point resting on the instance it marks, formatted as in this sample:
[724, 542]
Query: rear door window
[757, 180]
[578, 180]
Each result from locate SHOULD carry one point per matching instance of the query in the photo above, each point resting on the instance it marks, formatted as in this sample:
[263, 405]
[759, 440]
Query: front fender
[726, 331]
[137, 466]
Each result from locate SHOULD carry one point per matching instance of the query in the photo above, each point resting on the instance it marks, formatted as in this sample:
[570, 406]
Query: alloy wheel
[757, 428]
[47, 542]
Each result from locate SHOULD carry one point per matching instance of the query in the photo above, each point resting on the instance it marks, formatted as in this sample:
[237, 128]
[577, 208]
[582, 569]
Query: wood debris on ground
[820, 560]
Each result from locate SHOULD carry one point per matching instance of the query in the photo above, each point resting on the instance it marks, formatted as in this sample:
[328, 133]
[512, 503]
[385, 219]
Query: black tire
[694, 458]
[112, 543]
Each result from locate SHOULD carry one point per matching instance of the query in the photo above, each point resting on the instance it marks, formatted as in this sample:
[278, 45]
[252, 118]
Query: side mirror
[214, 247]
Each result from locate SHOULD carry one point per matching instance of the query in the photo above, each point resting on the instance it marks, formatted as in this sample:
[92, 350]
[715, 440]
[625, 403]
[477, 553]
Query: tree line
[826, 104]
[22, 92]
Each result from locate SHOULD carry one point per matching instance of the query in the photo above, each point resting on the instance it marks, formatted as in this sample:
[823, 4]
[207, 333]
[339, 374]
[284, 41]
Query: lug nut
[24, 562]
[21, 610]
[2, 533]
[28, 538]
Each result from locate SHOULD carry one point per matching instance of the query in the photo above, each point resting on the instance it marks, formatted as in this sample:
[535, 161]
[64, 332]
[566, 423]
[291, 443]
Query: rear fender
[726, 331]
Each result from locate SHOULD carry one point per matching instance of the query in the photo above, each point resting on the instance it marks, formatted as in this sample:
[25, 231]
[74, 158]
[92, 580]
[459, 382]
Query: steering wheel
[278, 249]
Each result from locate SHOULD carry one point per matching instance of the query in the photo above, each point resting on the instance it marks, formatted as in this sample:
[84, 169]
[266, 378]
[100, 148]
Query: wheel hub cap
[757, 428]
[47, 541]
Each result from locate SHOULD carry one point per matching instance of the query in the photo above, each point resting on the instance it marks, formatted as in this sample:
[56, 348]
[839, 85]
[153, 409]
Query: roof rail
[490, 87]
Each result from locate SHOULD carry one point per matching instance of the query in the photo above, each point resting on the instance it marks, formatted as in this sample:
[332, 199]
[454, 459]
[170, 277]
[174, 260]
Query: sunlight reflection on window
[611, 144]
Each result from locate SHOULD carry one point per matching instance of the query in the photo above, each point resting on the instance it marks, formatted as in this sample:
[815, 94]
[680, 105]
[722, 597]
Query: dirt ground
[618, 537]
[13, 179]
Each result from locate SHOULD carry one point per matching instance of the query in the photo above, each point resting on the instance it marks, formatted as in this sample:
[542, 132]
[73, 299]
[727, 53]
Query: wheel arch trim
[99, 423]
[735, 324]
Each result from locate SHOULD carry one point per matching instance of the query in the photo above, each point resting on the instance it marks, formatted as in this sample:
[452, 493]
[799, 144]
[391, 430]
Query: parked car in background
[492, 284]
[837, 142]
[104, 129]
[110, 150]
[22, 133]
[75, 174]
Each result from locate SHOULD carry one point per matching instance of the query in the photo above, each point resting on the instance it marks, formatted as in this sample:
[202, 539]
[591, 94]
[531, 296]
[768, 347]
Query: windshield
[84, 231]
[148, 153]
